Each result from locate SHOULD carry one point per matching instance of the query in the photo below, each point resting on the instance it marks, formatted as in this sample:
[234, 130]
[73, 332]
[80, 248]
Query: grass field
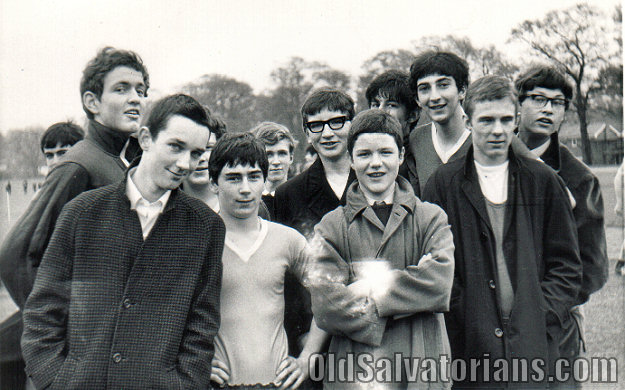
[605, 312]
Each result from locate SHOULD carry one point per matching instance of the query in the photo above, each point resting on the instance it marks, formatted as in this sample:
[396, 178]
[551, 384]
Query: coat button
[498, 332]
[127, 303]
[483, 236]
[117, 357]
[491, 284]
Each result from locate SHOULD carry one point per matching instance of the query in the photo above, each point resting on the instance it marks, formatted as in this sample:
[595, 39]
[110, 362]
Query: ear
[214, 187]
[413, 116]
[91, 101]
[144, 138]
[416, 99]
[401, 155]
[462, 94]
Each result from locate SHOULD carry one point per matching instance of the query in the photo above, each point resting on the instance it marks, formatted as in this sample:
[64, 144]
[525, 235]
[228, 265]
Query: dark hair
[216, 125]
[543, 76]
[374, 121]
[393, 84]
[64, 133]
[237, 148]
[105, 61]
[179, 104]
[270, 133]
[330, 99]
[487, 89]
[439, 62]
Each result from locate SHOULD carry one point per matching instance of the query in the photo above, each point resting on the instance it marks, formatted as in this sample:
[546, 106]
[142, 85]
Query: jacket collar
[110, 140]
[551, 156]
[319, 193]
[357, 202]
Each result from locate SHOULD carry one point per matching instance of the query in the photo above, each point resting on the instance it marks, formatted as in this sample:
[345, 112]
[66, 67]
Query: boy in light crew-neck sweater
[251, 347]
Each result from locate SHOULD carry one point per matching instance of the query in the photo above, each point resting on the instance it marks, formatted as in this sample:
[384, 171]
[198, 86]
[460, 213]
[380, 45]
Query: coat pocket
[65, 374]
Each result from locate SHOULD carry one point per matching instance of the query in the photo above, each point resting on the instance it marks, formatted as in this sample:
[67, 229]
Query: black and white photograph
[348, 194]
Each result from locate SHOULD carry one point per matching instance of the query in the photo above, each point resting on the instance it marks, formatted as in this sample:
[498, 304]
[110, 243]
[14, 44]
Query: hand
[291, 373]
[360, 288]
[219, 372]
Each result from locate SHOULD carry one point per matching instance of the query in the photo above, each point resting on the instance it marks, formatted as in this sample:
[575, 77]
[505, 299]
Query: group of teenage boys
[425, 228]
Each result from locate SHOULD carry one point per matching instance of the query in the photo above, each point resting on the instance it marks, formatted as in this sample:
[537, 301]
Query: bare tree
[482, 60]
[230, 99]
[580, 40]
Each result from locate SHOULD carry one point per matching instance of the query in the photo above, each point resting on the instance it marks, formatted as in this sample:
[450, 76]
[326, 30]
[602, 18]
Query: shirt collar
[135, 197]
[387, 200]
[538, 151]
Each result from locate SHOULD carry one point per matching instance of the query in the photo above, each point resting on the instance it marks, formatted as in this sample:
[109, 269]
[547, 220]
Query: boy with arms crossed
[384, 267]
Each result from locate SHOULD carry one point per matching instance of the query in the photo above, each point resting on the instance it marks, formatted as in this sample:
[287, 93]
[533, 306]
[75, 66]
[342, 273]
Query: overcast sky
[44, 45]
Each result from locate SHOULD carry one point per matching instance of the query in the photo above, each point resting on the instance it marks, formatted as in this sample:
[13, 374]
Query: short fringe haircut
[237, 148]
[270, 133]
[487, 89]
[374, 121]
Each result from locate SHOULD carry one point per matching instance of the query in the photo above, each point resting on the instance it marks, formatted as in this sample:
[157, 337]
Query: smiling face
[169, 158]
[239, 189]
[376, 160]
[492, 127]
[541, 120]
[200, 176]
[280, 160]
[439, 97]
[329, 144]
[122, 102]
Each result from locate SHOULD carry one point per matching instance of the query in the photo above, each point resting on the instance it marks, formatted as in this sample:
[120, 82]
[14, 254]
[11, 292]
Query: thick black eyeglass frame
[559, 102]
[334, 123]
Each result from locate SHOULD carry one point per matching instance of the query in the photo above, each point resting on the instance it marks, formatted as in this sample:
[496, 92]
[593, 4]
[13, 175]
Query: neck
[450, 131]
[239, 225]
[483, 161]
[339, 166]
[202, 192]
[532, 140]
[146, 187]
[379, 197]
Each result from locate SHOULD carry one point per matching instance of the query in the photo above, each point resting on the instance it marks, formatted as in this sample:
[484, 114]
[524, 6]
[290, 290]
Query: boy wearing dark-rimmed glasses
[544, 96]
[302, 201]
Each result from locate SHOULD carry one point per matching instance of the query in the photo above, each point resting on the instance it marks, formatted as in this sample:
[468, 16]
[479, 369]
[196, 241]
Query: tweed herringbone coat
[112, 311]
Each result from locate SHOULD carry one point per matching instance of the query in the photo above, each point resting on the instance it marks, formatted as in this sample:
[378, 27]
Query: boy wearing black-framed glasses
[302, 201]
[544, 96]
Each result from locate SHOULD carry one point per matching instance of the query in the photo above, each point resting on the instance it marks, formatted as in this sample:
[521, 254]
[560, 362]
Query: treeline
[581, 40]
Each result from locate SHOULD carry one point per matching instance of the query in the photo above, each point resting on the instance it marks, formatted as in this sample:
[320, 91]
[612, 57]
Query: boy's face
[174, 154]
[200, 175]
[376, 160]
[122, 102]
[239, 189]
[280, 160]
[330, 144]
[53, 155]
[492, 127]
[539, 119]
[439, 96]
[396, 109]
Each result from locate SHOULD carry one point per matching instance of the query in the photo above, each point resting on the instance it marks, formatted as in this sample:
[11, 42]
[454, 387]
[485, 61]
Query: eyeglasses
[334, 123]
[540, 101]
